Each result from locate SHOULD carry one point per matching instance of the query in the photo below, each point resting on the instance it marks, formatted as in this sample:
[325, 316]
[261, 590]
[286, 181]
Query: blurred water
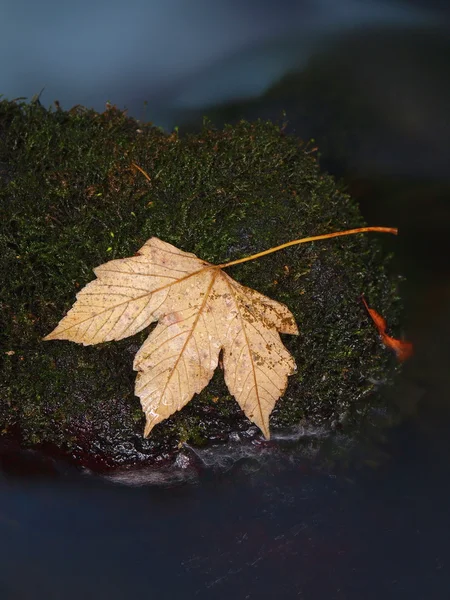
[173, 53]
[259, 530]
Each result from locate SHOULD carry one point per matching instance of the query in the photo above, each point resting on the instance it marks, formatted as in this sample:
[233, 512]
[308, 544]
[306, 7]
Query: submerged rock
[71, 200]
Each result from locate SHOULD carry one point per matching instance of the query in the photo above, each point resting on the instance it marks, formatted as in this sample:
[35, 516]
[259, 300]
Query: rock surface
[71, 200]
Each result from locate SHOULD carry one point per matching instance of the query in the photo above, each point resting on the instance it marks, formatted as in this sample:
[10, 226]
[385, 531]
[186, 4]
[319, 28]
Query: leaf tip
[264, 427]
[294, 329]
[266, 433]
[150, 423]
[48, 337]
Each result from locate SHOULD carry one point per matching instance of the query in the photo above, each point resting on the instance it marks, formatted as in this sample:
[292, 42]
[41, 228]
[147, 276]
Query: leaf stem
[309, 239]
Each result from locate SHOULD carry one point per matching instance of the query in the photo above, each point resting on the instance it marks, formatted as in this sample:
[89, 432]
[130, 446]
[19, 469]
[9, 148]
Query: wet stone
[71, 200]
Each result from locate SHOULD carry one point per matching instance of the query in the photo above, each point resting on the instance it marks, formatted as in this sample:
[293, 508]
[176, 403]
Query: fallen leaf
[402, 348]
[205, 318]
[201, 312]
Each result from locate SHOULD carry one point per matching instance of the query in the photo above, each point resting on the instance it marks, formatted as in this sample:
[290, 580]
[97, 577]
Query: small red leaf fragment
[402, 349]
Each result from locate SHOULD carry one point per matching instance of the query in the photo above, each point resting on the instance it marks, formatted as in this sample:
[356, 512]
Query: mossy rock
[70, 200]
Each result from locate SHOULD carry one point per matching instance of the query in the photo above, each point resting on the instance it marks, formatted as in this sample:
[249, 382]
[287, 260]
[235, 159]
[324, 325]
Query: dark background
[369, 81]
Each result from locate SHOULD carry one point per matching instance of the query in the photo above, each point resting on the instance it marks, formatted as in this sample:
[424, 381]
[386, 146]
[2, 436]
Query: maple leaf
[201, 312]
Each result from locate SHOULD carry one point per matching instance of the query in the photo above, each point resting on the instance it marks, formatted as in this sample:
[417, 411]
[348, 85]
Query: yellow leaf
[201, 312]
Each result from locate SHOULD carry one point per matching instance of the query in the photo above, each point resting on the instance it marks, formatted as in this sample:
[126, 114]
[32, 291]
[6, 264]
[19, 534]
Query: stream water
[259, 530]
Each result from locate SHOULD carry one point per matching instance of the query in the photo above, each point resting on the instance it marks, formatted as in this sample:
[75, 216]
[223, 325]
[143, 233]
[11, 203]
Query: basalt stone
[72, 200]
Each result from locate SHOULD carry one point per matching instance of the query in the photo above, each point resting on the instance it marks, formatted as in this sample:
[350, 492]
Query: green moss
[70, 201]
